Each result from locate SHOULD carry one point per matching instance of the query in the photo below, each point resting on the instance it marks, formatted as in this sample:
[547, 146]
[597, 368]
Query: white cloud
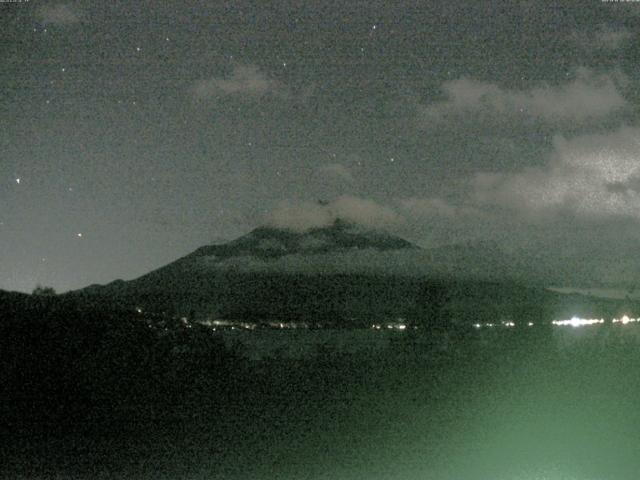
[60, 14]
[305, 215]
[612, 39]
[336, 171]
[245, 80]
[605, 37]
[589, 95]
[590, 175]
[424, 208]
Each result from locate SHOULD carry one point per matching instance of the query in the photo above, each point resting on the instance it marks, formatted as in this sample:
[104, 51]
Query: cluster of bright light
[389, 326]
[577, 322]
[215, 323]
[238, 325]
[289, 325]
[624, 320]
[506, 324]
[227, 324]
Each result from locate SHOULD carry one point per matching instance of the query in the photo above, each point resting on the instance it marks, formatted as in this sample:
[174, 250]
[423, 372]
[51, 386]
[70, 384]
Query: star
[79, 235]
[18, 180]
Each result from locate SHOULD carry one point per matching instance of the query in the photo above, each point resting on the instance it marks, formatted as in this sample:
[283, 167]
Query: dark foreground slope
[78, 385]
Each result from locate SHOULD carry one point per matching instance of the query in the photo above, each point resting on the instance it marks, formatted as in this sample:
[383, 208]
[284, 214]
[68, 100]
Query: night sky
[134, 132]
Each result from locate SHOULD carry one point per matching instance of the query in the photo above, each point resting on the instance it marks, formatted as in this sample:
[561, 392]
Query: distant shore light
[577, 322]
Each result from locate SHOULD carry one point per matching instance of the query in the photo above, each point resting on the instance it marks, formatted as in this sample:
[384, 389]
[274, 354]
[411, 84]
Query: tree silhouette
[43, 291]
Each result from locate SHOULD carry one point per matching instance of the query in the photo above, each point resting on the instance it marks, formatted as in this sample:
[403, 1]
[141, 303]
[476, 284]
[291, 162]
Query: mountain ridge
[273, 242]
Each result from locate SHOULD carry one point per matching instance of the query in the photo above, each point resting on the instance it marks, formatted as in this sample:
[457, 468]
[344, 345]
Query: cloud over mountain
[425, 208]
[336, 172]
[305, 215]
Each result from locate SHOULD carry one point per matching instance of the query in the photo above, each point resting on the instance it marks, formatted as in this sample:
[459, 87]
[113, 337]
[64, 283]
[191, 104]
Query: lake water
[298, 343]
[502, 405]
[520, 404]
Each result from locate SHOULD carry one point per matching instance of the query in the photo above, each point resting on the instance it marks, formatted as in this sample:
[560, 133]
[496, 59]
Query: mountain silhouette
[343, 275]
[203, 283]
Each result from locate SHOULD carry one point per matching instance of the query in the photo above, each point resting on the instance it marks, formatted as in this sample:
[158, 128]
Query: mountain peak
[273, 242]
